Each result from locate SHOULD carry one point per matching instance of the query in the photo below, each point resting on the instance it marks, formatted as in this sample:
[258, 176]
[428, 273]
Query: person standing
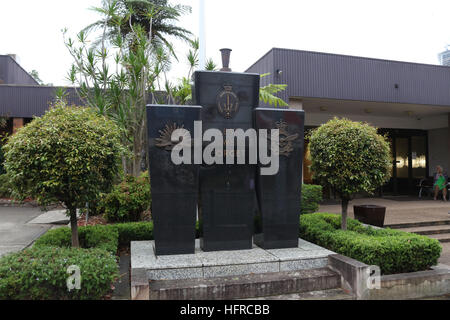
[440, 183]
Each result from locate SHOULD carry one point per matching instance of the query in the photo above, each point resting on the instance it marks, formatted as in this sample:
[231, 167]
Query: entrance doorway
[410, 164]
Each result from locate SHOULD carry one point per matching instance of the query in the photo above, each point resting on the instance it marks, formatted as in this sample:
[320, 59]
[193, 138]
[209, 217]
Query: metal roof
[332, 76]
[12, 73]
[29, 101]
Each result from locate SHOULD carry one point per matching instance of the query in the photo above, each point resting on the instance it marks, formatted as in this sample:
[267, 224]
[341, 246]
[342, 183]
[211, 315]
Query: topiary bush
[69, 155]
[128, 200]
[351, 157]
[40, 273]
[393, 251]
[311, 197]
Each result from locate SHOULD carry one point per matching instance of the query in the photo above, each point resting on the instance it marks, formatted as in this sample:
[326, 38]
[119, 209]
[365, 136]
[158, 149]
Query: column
[17, 124]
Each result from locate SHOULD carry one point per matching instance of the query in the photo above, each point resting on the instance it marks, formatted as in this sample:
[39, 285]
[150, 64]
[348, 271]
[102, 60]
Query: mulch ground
[92, 221]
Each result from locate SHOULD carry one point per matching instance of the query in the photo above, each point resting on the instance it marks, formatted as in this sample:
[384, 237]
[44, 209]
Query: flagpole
[202, 40]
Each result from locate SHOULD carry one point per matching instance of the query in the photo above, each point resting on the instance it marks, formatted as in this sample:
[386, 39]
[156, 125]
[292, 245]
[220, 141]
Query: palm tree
[156, 17]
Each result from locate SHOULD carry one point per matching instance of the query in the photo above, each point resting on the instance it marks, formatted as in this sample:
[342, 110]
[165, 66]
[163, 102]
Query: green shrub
[2, 159]
[69, 155]
[393, 251]
[99, 237]
[41, 273]
[139, 231]
[95, 208]
[5, 187]
[128, 200]
[311, 197]
[350, 157]
[104, 237]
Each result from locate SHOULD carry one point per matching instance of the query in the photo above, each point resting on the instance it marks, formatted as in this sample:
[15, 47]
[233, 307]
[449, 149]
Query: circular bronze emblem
[228, 103]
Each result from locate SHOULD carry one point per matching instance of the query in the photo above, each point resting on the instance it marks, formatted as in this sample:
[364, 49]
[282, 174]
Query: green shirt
[440, 182]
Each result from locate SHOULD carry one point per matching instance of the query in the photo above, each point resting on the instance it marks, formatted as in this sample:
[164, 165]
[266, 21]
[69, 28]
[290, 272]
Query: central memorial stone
[227, 192]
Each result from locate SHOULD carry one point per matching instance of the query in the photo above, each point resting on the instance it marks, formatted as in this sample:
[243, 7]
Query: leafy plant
[157, 18]
[40, 273]
[350, 157]
[267, 93]
[119, 75]
[100, 237]
[137, 231]
[5, 186]
[128, 200]
[210, 65]
[107, 237]
[311, 197]
[393, 251]
[70, 155]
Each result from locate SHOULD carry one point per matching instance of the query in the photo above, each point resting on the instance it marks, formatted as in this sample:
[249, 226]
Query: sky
[405, 30]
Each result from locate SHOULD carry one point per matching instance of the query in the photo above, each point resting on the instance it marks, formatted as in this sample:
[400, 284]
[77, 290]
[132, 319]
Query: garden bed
[393, 251]
[40, 272]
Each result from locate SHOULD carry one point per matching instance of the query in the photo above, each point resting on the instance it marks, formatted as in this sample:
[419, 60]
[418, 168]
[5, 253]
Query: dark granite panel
[280, 195]
[174, 187]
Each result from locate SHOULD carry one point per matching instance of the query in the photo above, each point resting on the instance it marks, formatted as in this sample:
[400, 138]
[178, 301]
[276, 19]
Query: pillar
[17, 124]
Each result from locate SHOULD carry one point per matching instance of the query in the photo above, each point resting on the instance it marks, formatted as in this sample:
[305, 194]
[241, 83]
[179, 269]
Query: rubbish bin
[370, 214]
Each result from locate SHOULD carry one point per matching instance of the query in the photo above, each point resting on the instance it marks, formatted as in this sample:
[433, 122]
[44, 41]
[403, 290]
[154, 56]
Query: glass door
[410, 165]
[402, 160]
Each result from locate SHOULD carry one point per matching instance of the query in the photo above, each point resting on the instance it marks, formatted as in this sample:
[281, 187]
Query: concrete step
[443, 238]
[247, 286]
[332, 294]
[418, 224]
[429, 230]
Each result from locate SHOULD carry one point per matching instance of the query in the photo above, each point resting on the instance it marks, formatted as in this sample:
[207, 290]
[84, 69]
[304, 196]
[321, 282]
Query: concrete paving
[400, 211]
[52, 217]
[15, 232]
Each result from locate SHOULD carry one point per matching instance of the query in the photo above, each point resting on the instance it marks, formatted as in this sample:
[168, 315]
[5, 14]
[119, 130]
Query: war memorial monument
[247, 215]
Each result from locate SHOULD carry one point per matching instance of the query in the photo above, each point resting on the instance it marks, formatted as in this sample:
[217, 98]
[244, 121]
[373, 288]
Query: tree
[35, 75]
[119, 75]
[157, 18]
[69, 155]
[350, 157]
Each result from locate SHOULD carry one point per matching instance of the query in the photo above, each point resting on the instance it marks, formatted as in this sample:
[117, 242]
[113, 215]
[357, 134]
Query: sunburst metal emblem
[165, 140]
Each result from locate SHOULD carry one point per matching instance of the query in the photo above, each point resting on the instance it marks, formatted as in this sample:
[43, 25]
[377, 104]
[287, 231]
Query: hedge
[311, 197]
[5, 186]
[40, 273]
[127, 200]
[138, 231]
[108, 237]
[393, 251]
[100, 237]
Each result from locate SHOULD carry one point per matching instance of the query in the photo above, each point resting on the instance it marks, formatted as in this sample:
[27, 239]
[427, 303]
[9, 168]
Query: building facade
[409, 102]
[21, 97]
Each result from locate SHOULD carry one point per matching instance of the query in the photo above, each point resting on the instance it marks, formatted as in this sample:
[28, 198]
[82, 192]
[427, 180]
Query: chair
[425, 185]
